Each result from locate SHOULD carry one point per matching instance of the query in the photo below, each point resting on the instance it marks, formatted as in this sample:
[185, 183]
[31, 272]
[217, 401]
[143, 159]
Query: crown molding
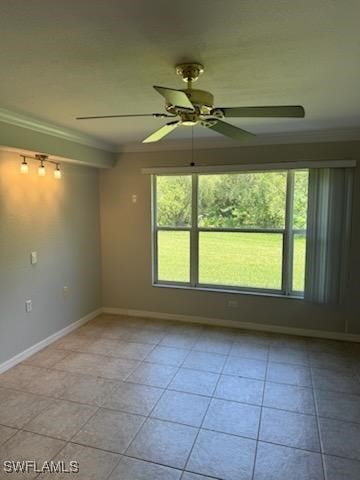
[308, 136]
[311, 136]
[30, 123]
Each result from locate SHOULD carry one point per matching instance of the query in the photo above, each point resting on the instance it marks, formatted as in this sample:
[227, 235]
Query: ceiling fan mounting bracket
[189, 72]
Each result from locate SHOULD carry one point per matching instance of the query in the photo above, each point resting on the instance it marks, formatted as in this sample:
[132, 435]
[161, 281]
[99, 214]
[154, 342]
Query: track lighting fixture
[41, 170]
[57, 172]
[24, 167]
[42, 159]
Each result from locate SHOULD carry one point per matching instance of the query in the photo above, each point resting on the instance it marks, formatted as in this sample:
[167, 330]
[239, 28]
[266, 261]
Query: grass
[237, 259]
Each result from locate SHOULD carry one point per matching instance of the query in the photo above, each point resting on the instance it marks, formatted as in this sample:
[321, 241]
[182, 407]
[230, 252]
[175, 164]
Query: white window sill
[228, 291]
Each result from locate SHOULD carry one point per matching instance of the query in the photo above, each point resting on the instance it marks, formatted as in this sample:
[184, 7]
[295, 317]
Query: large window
[242, 231]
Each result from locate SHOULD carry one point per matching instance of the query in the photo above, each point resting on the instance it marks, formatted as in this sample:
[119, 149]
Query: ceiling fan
[191, 107]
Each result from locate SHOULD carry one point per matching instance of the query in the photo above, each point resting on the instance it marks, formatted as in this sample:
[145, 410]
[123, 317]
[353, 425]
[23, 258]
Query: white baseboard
[229, 323]
[178, 317]
[20, 357]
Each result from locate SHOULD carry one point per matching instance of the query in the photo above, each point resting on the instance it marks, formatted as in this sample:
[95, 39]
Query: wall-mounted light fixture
[24, 167]
[41, 169]
[57, 172]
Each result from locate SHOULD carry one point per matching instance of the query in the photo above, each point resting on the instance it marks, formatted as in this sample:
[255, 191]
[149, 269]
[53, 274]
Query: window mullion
[154, 236]
[287, 270]
[194, 234]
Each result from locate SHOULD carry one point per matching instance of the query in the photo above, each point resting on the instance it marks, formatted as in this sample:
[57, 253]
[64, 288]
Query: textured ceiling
[61, 58]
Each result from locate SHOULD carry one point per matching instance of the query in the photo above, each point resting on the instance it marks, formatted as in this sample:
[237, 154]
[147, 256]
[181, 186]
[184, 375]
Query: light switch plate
[33, 258]
[28, 306]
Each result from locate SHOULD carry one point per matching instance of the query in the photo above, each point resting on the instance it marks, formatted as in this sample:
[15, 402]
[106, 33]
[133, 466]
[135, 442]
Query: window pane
[299, 263]
[249, 200]
[173, 197]
[301, 181]
[241, 259]
[174, 256]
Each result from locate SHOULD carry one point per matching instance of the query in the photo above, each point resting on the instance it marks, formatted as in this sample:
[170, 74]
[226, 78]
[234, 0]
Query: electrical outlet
[232, 303]
[28, 306]
[134, 198]
[66, 291]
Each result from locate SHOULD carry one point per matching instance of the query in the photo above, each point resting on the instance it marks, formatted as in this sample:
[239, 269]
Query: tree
[243, 200]
[174, 200]
[250, 200]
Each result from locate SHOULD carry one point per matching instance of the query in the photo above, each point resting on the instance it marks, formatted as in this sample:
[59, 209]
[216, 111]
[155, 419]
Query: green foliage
[174, 201]
[300, 199]
[242, 200]
[232, 200]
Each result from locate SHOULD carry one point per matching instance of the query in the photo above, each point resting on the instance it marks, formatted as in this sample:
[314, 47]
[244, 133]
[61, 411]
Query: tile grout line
[260, 417]
[147, 417]
[176, 423]
[303, 349]
[318, 428]
[48, 408]
[61, 397]
[41, 435]
[98, 408]
[206, 412]
[165, 421]
[117, 380]
[167, 388]
[346, 371]
[16, 430]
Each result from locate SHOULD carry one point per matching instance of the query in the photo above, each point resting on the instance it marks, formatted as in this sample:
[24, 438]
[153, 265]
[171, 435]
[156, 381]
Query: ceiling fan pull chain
[192, 164]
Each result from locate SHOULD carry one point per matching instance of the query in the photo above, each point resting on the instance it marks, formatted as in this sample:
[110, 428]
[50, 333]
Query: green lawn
[242, 259]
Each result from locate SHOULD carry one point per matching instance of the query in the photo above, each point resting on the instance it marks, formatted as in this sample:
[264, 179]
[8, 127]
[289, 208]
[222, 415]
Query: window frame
[288, 234]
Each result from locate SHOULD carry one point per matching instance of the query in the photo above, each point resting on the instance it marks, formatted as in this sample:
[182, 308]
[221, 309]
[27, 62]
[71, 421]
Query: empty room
[179, 240]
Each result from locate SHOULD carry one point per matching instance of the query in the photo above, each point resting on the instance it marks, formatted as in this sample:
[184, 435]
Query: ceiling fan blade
[229, 130]
[296, 111]
[178, 98]
[161, 133]
[155, 115]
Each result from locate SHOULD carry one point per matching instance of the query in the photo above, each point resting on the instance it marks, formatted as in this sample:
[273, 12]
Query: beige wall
[126, 244]
[60, 220]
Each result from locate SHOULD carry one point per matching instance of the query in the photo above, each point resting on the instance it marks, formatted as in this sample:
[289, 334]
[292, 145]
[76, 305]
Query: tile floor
[136, 399]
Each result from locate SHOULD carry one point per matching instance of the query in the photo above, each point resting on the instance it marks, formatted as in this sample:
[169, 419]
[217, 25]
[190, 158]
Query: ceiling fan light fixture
[189, 123]
[189, 119]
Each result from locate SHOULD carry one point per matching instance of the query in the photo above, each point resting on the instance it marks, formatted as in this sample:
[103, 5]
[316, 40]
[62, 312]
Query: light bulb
[24, 167]
[42, 170]
[57, 172]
